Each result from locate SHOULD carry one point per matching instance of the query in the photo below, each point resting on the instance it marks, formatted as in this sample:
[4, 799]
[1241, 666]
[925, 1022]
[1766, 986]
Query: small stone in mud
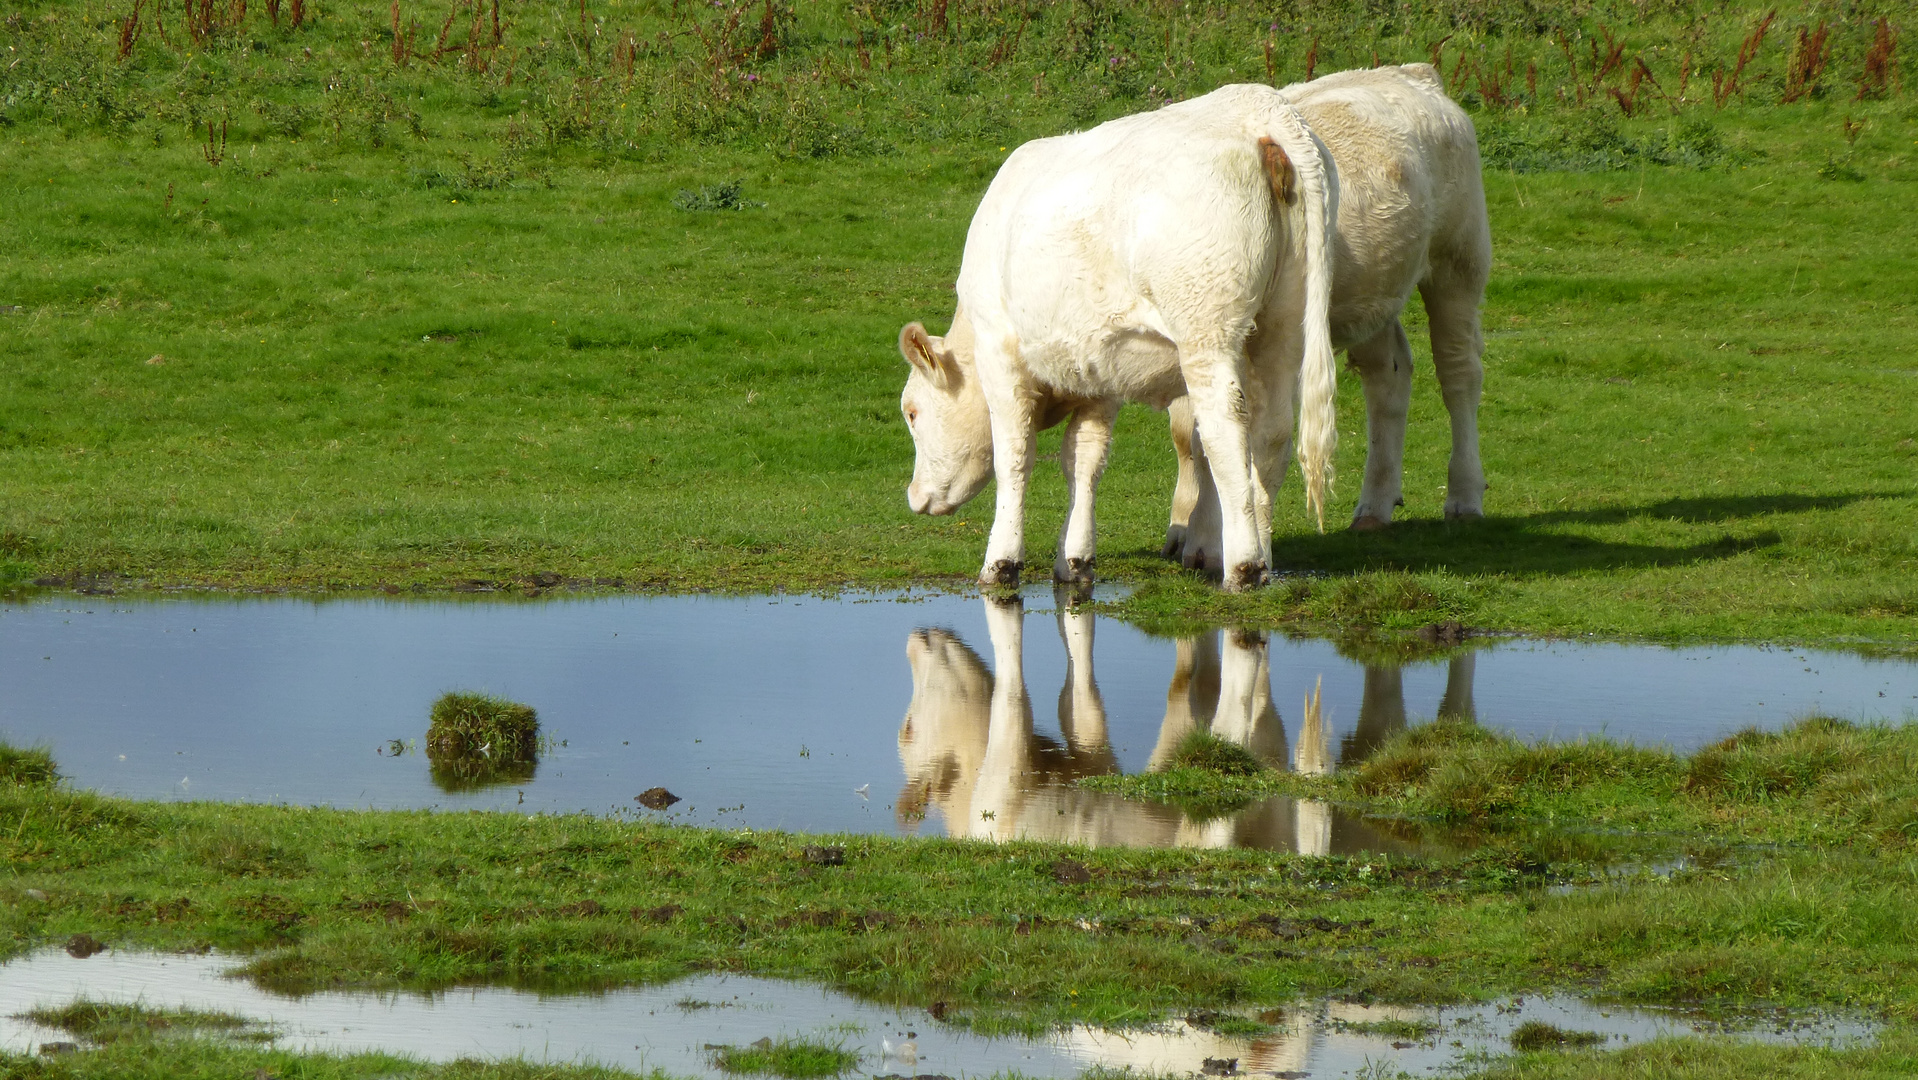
[1449, 632]
[36, 894]
[1070, 872]
[937, 1010]
[81, 946]
[825, 856]
[657, 798]
[1220, 1067]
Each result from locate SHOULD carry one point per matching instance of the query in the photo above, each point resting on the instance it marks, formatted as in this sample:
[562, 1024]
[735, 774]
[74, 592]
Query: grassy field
[439, 308]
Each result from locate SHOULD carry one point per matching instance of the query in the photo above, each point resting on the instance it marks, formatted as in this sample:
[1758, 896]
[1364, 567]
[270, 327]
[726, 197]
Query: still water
[898, 713]
[669, 1026]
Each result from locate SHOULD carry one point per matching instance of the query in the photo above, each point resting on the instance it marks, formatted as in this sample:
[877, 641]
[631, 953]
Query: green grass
[208, 1059]
[33, 765]
[477, 740]
[1895, 1055]
[436, 321]
[1539, 1035]
[1819, 781]
[339, 899]
[103, 1022]
[794, 1059]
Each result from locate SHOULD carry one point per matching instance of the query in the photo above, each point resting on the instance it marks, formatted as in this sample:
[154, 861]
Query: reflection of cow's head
[947, 415]
[943, 739]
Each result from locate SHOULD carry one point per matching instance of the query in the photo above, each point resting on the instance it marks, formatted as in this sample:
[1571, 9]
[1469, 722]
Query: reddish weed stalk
[1808, 61]
[1723, 88]
[1880, 73]
[130, 30]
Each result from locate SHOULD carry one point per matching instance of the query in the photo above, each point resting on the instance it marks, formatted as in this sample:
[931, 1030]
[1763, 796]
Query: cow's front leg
[1456, 348]
[1384, 364]
[1213, 378]
[1014, 424]
[1082, 458]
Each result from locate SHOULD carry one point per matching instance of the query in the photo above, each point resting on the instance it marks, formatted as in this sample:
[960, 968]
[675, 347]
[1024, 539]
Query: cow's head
[946, 412]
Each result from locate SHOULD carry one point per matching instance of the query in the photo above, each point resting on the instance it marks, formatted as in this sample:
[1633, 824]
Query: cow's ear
[927, 354]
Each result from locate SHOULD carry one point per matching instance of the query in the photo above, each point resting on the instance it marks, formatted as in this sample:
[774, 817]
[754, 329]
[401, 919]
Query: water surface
[668, 1026]
[898, 713]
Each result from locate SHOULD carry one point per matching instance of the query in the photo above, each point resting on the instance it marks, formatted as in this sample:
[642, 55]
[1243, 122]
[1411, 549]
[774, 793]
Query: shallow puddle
[936, 714]
[669, 1027]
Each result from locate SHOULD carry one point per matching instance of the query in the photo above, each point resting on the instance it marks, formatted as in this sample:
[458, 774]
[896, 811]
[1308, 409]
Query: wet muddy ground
[671, 1026]
[898, 713]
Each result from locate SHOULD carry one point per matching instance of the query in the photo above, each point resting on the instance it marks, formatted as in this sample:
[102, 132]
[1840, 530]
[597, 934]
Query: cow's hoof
[1174, 542]
[1246, 575]
[1073, 571]
[1003, 572]
[1368, 523]
[1456, 513]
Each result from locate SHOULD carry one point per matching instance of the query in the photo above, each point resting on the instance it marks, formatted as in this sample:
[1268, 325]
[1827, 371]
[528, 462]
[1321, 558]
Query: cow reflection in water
[971, 754]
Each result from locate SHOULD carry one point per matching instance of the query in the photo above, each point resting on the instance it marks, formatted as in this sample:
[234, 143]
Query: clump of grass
[727, 196]
[1539, 1035]
[1455, 770]
[1206, 751]
[476, 740]
[1865, 776]
[794, 1059]
[103, 1022]
[32, 765]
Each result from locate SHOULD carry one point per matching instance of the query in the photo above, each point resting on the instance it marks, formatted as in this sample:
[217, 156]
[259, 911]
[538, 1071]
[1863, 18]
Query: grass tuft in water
[476, 740]
[794, 1059]
[1206, 751]
[104, 1022]
[1404, 1030]
[1539, 1035]
[32, 765]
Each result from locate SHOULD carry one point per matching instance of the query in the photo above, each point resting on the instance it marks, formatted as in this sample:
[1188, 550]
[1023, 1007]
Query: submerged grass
[103, 1022]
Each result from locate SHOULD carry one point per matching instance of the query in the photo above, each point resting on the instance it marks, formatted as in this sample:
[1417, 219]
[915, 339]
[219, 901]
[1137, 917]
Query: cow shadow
[1535, 545]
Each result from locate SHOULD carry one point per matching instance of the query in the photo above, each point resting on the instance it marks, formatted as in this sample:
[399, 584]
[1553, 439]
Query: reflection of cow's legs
[1082, 711]
[997, 797]
[1384, 364]
[1082, 457]
[1452, 307]
[1193, 697]
[1313, 754]
[1185, 494]
[1457, 703]
[1381, 713]
[1245, 715]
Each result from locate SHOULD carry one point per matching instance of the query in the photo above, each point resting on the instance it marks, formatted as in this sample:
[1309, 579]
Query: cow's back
[1091, 249]
[1409, 187]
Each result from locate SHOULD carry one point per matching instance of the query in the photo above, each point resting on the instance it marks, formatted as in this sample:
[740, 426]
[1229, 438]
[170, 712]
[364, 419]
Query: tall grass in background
[491, 83]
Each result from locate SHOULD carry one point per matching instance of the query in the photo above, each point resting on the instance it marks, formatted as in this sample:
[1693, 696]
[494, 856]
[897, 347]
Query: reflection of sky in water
[287, 700]
[645, 1028]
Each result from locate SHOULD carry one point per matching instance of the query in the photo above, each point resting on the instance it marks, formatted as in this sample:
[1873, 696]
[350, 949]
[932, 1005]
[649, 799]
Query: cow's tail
[1305, 183]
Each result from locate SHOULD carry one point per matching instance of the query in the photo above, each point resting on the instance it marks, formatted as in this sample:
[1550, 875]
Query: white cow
[1183, 252]
[1411, 214]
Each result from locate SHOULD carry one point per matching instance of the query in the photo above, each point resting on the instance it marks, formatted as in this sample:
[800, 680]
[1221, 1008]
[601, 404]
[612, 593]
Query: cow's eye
[912, 415]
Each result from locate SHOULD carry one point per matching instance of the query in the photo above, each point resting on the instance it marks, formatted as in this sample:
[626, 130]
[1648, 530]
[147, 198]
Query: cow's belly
[1132, 363]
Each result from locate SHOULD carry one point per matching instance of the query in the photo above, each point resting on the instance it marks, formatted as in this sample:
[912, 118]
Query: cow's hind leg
[1214, 379]
[1457, 345]
[1083, 458]
[1384, 364]
[1185, 494]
